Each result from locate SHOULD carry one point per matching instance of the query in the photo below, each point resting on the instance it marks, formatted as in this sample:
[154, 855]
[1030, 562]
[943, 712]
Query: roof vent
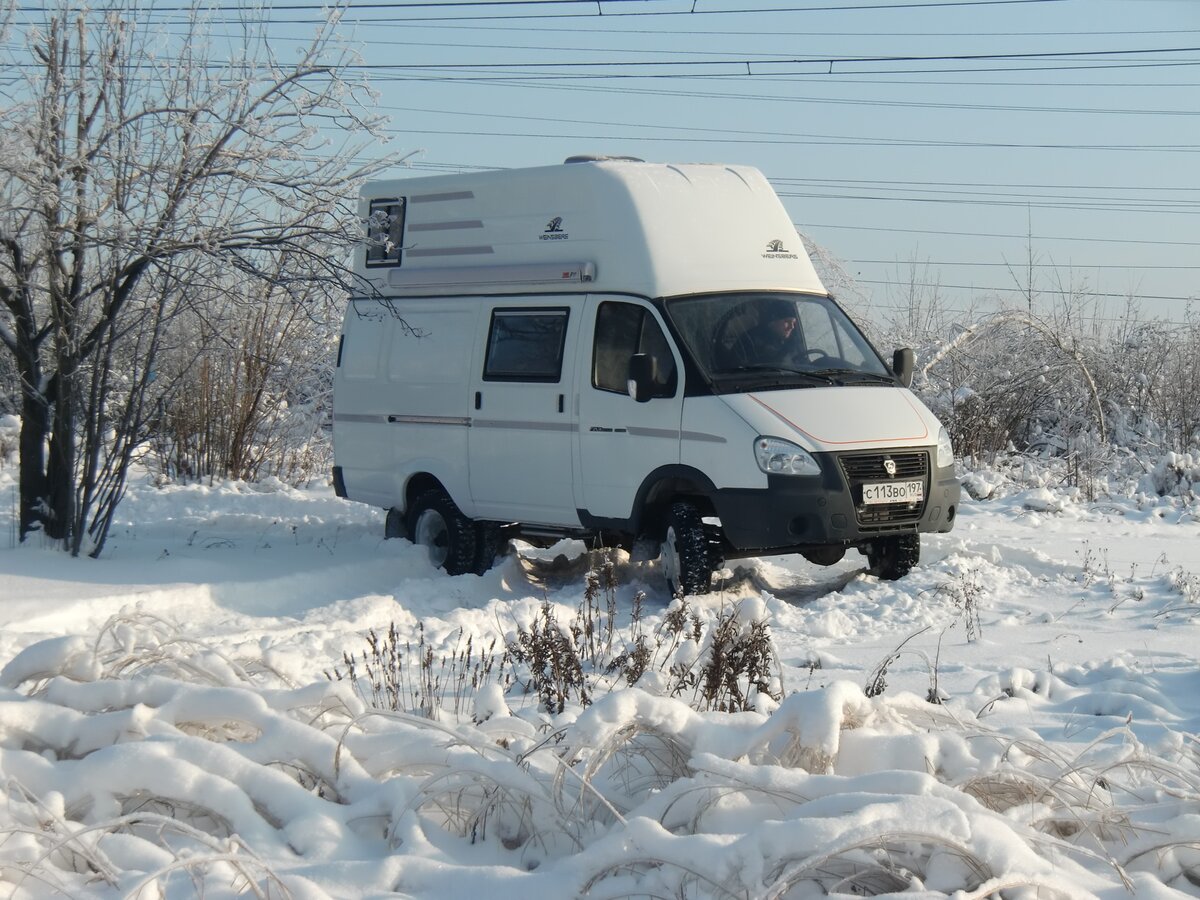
[599, 157]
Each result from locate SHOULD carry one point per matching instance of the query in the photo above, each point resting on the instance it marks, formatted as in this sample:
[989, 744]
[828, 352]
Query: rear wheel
[893, 557]
[686, 554]
[449, 537]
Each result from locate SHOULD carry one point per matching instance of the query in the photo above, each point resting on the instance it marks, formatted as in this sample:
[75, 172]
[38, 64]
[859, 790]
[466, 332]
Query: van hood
[839, 418]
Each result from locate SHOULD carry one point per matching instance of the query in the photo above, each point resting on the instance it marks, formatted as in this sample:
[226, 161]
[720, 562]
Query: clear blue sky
[896, 131]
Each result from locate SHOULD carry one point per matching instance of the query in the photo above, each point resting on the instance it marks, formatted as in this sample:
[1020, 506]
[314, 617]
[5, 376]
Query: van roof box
[596, 224]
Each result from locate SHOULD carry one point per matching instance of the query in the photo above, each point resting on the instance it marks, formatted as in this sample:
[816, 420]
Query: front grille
[867, 468]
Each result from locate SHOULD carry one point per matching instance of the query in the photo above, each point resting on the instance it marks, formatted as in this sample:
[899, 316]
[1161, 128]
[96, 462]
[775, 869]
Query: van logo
[554, 231]
[889, 466]
[776, 250]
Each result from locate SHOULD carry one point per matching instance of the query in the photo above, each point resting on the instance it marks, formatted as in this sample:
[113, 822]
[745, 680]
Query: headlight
[779, 457]
[945, 456]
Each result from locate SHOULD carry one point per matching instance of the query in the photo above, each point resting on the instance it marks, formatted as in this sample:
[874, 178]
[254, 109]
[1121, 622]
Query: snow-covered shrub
[1069, 381]
[1152, 381]
[1002, 382]
[1175, 474]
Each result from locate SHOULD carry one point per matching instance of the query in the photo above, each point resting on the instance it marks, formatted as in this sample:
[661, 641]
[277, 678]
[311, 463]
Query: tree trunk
[31, 478]
[60, 468]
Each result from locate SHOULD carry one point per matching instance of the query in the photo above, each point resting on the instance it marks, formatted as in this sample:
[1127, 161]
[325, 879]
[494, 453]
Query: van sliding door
[521, 435]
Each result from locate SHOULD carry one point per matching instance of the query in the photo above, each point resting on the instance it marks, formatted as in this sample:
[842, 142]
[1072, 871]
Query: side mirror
[903, 363]
[643, 372]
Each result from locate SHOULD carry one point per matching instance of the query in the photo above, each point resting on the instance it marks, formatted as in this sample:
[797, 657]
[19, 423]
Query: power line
[1022, 265]
[822, 75]
[992, 234]
[980, 184]
[873, 306]
[840, 101]
[1013, 290]
[587, 5]
[808, 33]
[820, 140]
[323, 7]
[825, 61]
[838, 79]
[531, 72]
[744, 136]
[1129, 206]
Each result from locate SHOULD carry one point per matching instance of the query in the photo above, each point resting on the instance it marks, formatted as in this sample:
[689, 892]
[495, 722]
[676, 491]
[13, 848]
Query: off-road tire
[687, 552]
[450, 538]
[892, 558]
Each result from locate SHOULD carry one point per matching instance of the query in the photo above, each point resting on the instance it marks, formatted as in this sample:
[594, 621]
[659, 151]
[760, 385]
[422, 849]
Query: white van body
[558, 351]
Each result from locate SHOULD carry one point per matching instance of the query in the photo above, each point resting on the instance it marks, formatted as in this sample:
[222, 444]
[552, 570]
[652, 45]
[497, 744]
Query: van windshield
[745, 341]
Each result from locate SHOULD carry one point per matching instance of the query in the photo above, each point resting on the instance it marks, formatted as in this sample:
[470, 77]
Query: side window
[851, 351]
[385, 232]
[623, 329]
[525, 345]
[827, 336]
[817, 329]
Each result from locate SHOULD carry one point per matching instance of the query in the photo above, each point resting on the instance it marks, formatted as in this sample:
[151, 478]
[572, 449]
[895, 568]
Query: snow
[168, 726]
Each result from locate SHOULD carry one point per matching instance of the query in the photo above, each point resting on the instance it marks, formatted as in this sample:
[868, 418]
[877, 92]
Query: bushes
[1173, 475]
[723, 662]
[1067, 384]
[251, 388]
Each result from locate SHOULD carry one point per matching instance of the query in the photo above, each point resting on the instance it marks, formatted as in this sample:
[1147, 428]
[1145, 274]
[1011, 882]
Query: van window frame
[526, 311]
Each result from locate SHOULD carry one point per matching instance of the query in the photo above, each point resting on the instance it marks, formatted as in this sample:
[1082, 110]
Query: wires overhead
[488, 10]
[957, 130]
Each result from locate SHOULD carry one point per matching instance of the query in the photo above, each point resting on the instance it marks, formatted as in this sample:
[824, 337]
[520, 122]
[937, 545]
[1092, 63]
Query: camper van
[626, 352]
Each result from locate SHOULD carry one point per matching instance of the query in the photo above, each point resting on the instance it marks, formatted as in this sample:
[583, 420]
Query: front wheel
[686, 555]
[891, 558]
[449, 537]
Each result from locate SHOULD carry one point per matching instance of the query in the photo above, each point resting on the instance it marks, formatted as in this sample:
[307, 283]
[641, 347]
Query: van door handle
[479, 400]
[560, 403]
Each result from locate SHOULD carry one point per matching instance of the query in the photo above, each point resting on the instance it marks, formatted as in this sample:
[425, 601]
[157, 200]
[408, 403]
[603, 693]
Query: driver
[774, 341]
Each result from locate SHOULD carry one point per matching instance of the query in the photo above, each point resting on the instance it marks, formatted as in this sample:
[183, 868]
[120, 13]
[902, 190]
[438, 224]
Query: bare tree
[139, 166]
[251, 382]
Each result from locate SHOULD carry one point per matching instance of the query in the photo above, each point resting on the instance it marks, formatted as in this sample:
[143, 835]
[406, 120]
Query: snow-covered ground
[167, 726]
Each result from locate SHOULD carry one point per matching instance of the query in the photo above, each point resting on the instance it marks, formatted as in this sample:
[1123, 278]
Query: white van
[625, 351]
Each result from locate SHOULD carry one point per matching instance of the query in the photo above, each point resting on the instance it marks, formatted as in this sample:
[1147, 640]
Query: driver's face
[783, 327]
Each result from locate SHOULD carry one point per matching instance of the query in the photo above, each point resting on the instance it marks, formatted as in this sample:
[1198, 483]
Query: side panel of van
[522, 411]
[400, 408]
[620, 439]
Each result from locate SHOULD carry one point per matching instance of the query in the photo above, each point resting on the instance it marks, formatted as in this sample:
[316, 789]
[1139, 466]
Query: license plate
[893, 492]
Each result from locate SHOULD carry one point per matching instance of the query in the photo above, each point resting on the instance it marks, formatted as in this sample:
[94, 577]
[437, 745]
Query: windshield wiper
[759, 368]
[844, 374]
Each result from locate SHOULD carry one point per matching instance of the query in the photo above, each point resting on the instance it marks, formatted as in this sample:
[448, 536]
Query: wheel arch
[667, 485]
[417, 484]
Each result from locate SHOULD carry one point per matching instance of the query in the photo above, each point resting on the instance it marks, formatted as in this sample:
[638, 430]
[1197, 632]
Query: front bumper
[794, 512]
